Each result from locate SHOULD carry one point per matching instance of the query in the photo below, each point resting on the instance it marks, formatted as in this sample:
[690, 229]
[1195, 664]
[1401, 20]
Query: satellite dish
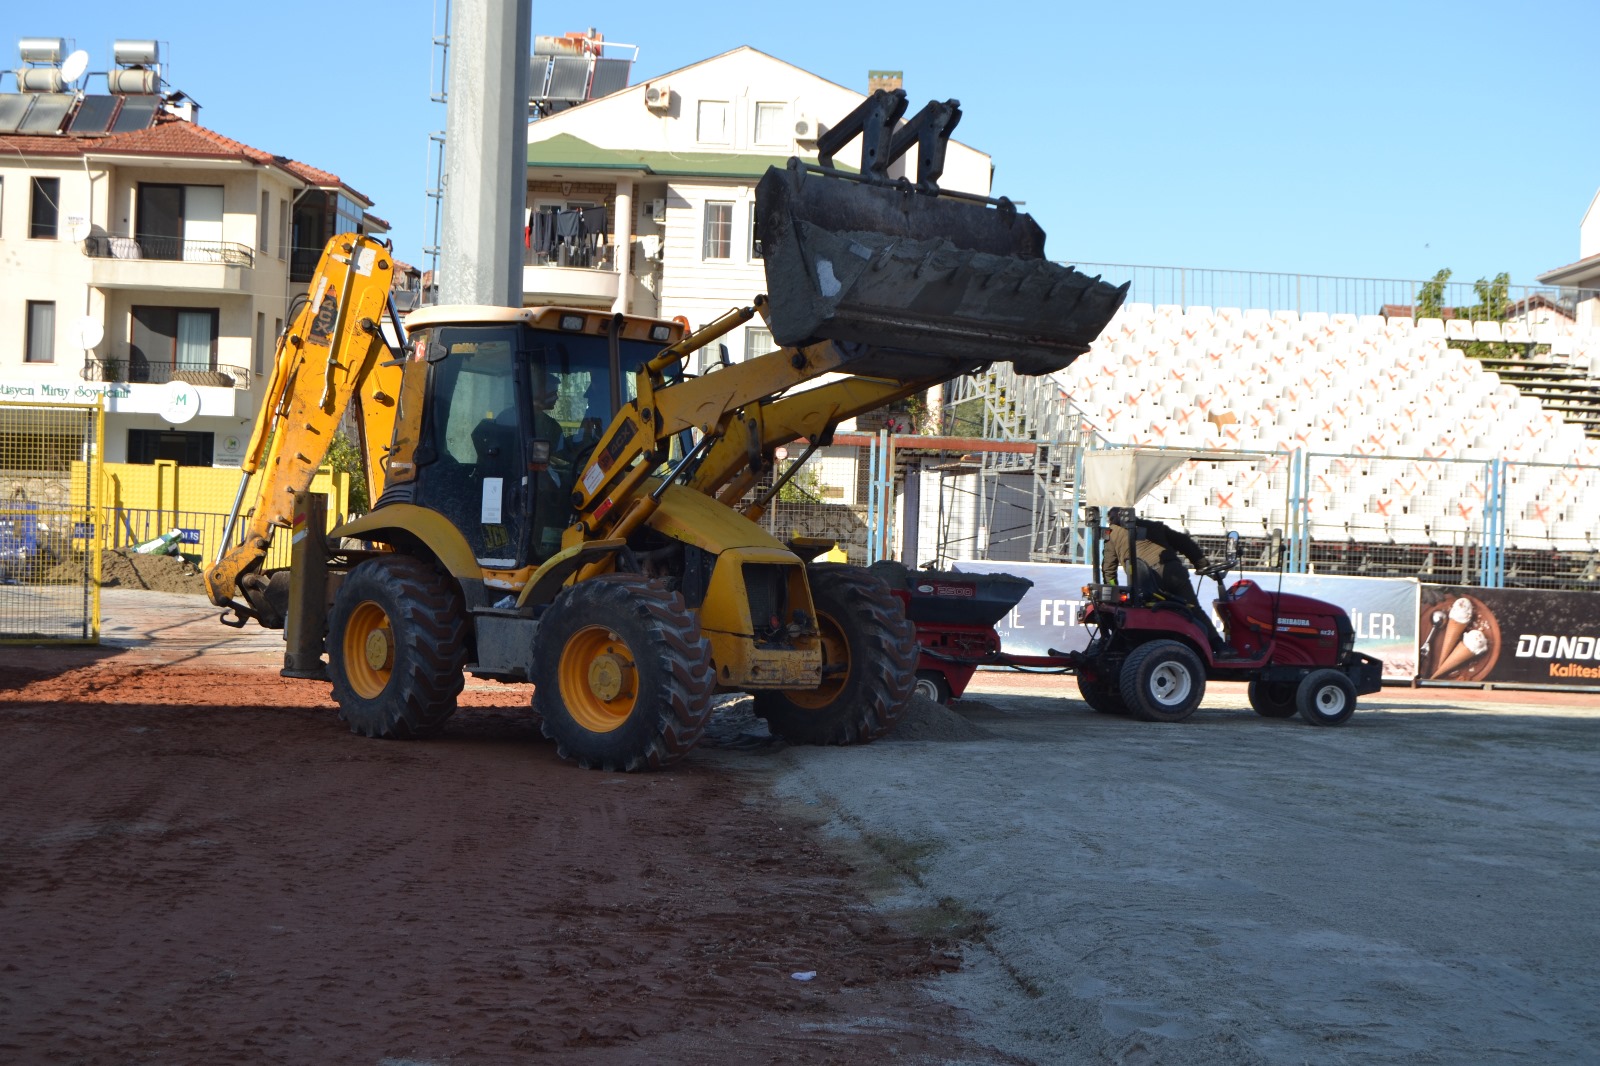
[75, 65]
[90, 332]
[79, 230]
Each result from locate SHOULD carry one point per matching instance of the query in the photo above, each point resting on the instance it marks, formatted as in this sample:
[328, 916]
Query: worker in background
[1156, 550]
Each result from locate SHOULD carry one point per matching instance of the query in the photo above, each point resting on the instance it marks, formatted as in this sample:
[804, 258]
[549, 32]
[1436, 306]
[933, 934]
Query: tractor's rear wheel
[622, 675]
[395, 648]
[869, 662]
[1163, 681]
[1273, 699]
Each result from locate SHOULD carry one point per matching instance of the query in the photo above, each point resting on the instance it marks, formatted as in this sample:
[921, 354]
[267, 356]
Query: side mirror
[1233, 545]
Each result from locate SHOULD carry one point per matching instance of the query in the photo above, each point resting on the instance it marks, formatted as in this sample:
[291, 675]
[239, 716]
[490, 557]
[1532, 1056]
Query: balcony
[569, 280]
[118, 370]
[168, 263]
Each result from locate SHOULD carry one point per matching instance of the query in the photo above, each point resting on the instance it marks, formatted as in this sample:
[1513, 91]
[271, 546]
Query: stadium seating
[1400, 428]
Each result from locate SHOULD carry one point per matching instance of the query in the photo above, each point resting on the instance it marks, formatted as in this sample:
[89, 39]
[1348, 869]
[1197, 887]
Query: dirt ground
[199, 863]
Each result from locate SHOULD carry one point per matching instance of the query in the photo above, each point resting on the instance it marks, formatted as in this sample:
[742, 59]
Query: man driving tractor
[1151, 559]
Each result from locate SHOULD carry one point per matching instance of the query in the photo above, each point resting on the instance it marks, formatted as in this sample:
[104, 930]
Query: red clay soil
[202, 865]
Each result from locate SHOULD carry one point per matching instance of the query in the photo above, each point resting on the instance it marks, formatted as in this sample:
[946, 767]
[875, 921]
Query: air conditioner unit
[658, 96]
[806, 128]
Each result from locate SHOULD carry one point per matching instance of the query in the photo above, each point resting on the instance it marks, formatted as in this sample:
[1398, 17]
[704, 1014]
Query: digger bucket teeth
[908, 275]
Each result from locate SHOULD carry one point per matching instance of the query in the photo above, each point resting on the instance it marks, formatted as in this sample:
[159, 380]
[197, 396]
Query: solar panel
[12, 107]
[46, 114]
[569, 77]
[137, 113]
[610, 75]
[538, 74]
[94, 114]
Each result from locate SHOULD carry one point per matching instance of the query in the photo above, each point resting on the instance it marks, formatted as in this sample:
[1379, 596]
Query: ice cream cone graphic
[1473, 644]
[1460, 618]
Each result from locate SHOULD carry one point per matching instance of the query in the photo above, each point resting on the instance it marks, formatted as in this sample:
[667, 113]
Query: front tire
[623, 675]
[395, 648]
[869, 655]
[1163, 681]
[1326, 697]
[1274, 699]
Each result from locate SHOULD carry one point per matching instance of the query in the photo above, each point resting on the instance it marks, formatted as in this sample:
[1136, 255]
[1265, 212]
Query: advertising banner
[1383, 610]
[1509, 636]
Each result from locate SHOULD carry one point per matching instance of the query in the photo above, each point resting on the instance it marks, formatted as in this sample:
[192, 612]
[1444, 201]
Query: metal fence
[1487, 522]
[50, 536]
[1191, 286]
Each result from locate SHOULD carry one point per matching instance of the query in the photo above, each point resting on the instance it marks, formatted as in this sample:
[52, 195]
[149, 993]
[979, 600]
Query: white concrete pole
[486, 153]
[623, 254]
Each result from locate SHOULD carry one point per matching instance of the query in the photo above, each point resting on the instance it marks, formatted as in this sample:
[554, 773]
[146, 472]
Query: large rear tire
[869, 659]
[1163, 681]
[1326, 697]
[623, 675]
[1273, 699]
[395, 648]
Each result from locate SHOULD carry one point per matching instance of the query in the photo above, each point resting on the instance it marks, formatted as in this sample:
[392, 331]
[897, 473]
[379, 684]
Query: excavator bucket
[923, 280]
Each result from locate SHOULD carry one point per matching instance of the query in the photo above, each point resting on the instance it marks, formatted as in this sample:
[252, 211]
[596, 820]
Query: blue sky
[1365, 139]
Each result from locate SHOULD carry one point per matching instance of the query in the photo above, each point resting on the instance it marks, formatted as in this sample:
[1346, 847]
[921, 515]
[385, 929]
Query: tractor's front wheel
[869, 664]
[1326, 697]
[395, 648]
[622, 675]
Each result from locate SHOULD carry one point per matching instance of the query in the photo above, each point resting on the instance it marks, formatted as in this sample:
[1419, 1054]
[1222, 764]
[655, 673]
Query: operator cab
[516, 401]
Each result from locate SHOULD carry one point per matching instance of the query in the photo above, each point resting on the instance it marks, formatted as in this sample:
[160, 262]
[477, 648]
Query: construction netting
[50, 536]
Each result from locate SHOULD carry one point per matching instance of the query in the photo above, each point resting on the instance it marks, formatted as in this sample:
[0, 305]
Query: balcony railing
[144, 372]
[169, 249]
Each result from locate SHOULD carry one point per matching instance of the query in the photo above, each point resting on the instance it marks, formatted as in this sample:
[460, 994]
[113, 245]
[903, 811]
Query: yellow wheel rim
[835, 653]
[368, 647]
[599, 679]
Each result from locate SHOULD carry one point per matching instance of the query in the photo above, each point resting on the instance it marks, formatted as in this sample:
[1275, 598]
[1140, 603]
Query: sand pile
[927, 720]
[157, 573]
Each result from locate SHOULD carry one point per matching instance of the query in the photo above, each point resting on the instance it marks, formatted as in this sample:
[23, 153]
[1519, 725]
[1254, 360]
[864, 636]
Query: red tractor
[1152, 657]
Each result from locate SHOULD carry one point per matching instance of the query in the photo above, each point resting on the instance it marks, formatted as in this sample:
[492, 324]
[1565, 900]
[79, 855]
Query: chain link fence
[50, 531]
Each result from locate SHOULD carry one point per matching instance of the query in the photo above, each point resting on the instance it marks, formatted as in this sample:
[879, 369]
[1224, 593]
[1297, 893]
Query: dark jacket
[1158, 549]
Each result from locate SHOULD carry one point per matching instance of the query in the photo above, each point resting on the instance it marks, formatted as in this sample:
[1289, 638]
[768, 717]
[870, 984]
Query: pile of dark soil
[129, 570]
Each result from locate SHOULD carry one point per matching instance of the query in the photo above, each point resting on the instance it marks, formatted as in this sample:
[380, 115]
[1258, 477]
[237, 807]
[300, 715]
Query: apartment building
[655, 186]
[148, 259]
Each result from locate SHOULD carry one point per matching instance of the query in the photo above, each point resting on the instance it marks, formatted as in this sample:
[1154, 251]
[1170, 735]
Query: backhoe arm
[330, 352]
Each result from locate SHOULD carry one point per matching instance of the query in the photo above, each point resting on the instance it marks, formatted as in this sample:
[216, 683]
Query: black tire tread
[879, 618]
[1305, 697]
[1102, 696]
[680, 701]
[1131, 681]
[422, 691]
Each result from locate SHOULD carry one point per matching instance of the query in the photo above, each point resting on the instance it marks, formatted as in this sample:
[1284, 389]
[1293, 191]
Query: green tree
[345, 458]
[1493, 305]
[804, 487]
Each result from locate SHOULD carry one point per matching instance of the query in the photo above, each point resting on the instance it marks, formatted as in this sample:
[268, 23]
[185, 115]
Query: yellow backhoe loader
[558, 500]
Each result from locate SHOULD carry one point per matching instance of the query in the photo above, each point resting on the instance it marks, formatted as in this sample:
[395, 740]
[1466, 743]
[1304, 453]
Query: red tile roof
[169, 136]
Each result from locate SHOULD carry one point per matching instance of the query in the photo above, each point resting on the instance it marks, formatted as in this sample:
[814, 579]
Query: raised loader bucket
[922, 279]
